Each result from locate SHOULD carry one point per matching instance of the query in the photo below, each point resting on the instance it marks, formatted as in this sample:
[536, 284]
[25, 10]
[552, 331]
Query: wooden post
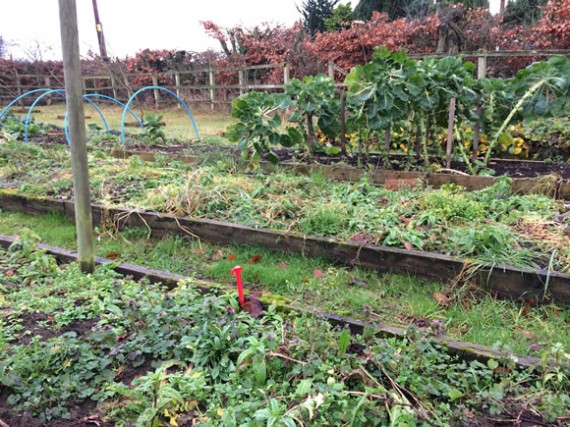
[77, 134]
[113, 85]
[477, 128]
[155, 83]
[19, 88]
[387, 139]
[450, 132]
[241, 79]
[481, 73]
[343, 121]
[177, 84]
[286, 71]
[212, 88]
[481, 66]
[331, 69]
[47, 84]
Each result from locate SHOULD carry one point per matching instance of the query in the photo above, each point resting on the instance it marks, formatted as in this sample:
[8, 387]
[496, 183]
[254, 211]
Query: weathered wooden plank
[465, 350]
[502, 281]
[29, 205]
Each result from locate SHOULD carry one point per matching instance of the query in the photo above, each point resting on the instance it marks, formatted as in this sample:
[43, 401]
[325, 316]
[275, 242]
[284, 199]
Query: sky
[31, 27]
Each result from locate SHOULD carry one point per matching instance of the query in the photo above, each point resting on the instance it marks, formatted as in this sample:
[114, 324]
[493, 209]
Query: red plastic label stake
[236, 271]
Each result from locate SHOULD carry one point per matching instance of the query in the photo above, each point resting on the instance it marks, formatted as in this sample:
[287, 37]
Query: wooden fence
[204, 85]
[200, 85]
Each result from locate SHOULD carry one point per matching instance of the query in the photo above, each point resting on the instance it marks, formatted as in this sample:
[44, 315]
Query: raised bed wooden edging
[560, 189]
[465, 350]
[501, 281]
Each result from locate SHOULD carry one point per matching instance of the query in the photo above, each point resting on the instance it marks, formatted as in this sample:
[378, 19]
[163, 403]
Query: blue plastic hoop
[5, 110]
[164, 90]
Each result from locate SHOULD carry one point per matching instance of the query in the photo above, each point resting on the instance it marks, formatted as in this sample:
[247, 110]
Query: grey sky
[30, 26]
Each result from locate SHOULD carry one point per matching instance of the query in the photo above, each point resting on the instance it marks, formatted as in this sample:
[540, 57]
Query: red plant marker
[236, 271]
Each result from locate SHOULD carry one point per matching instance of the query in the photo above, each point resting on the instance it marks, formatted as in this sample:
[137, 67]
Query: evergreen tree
[340, 18]
[408, 8]
[314, 14]
[523, 12]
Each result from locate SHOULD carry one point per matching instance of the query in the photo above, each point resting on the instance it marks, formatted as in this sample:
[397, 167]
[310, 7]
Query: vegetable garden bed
[501, 280]
[531, 177]
[548, 178]
[106, 350]
[468, 351]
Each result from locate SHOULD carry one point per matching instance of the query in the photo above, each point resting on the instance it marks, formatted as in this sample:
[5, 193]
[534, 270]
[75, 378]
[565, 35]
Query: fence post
[481, 66]
[47, 84]
[212, 87]
[19, 88]
[241, 81]
[177, 84]
[286, 71]
[450, 132]
[481, 73]
[331, 69]
[155, 83]
[113, 85]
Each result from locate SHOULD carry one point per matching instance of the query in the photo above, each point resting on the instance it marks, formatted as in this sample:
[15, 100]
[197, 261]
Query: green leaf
[492, 364]
[344, 342]
[272, 157]
[455, 394]
[259, 371]
[304, 387]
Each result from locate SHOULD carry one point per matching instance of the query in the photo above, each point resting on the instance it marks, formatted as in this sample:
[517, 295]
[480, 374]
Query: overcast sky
[31, 26]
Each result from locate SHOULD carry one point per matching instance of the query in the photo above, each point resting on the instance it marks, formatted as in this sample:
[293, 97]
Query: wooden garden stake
[477, 129]
[343, 121]
[387, 139]
[77, 136]
[450, 132]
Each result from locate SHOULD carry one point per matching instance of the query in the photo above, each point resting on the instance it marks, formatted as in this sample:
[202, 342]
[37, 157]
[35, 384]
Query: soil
[512, 168]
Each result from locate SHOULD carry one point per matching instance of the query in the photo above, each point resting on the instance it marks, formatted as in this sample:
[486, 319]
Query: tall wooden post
[99, 28]
[74, 101]
[156, 96]
[177, 85]
[450, 125]
[241, 80]
[481, 73]
[286, 73]
[47, 85]
[212, 82]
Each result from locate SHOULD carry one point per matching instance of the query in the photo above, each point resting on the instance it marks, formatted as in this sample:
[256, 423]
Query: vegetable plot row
[394, 95]
[492, 225]
[107, 349]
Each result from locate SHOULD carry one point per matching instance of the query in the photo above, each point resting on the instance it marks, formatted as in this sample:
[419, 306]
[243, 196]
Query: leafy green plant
[13, 128]
[543, 89]
[153, 131]
[315, 97]
[260, 125]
